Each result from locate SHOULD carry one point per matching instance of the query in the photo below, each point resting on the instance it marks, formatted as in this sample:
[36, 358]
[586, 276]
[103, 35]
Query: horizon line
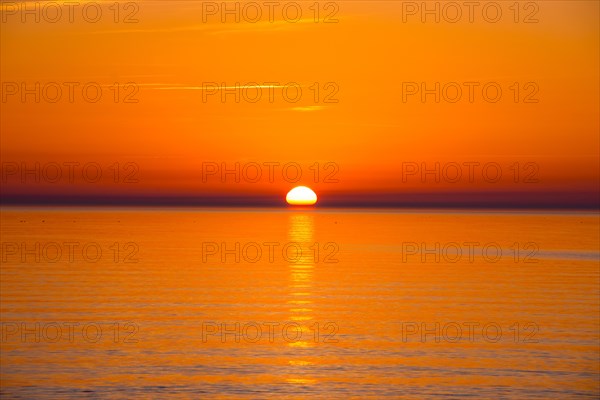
[480, 201]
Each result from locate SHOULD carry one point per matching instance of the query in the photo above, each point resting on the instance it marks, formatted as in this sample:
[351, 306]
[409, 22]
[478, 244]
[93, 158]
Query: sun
[301, 195]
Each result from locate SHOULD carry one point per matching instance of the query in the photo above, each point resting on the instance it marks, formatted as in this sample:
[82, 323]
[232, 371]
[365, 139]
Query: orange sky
[369, 134]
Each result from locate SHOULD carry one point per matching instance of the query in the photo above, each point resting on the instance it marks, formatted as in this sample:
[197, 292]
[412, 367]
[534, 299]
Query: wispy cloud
[160, 86]
[307, 108]
[215, 28]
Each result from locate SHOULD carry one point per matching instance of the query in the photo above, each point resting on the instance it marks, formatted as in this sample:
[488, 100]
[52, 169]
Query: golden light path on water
[301, 235]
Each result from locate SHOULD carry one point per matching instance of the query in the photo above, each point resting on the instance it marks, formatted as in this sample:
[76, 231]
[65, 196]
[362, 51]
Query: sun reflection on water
[301, 232]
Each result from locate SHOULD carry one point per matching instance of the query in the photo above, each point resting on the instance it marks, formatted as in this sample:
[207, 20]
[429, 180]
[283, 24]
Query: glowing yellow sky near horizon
[170, 55]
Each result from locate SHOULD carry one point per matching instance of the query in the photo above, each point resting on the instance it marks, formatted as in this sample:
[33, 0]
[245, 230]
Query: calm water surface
[201, 303]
